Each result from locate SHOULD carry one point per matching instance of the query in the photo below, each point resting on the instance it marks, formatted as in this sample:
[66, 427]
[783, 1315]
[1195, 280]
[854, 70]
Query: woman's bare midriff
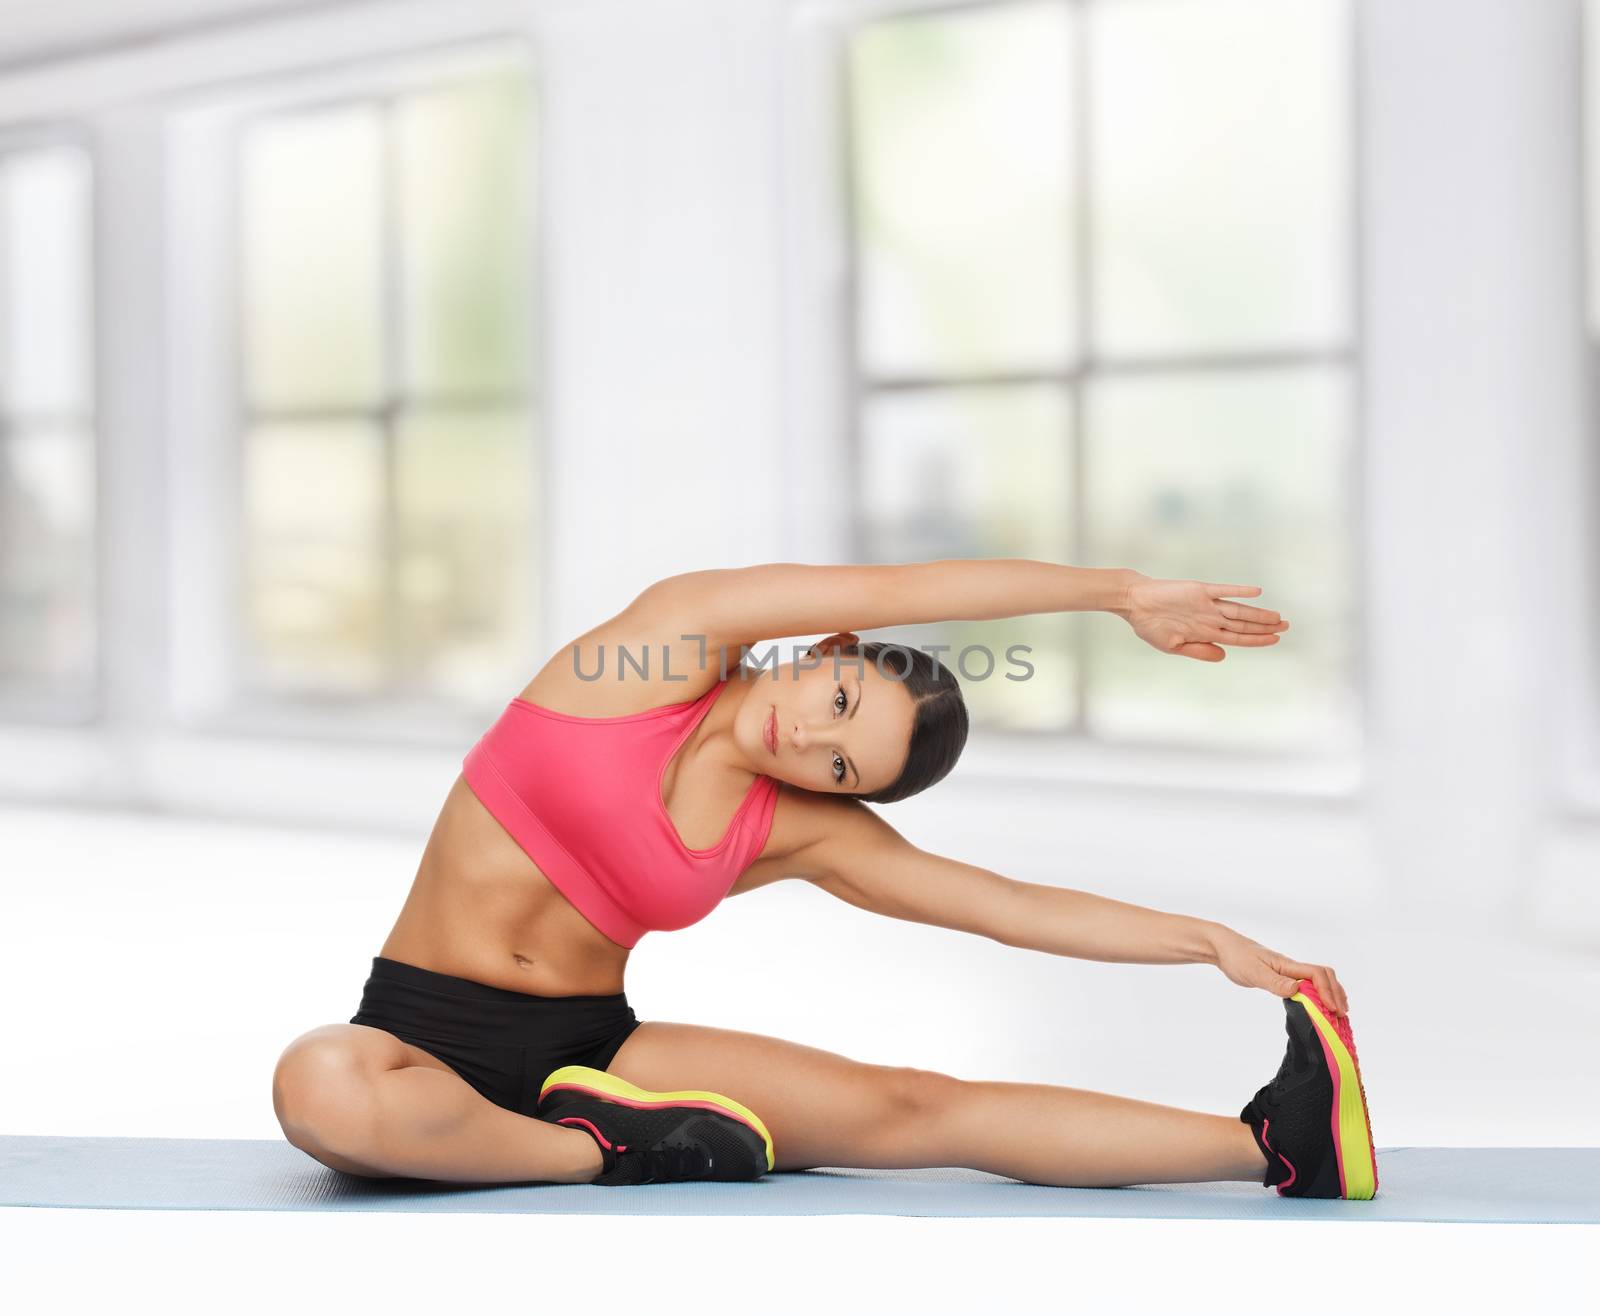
[479, 908]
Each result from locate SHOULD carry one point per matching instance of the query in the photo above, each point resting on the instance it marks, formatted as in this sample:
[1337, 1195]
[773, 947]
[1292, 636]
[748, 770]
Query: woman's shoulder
[641, 659]
[806, 824]
[801, 821]
[810, 834]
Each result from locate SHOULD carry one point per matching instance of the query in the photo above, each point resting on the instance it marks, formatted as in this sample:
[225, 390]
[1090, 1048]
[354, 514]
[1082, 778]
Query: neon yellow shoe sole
[1352, 1128]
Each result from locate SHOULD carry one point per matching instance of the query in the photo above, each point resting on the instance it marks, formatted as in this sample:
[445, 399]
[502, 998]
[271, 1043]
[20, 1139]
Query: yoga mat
[1530, 1185]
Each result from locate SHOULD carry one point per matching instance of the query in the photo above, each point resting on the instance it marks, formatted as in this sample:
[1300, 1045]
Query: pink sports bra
[582, 796]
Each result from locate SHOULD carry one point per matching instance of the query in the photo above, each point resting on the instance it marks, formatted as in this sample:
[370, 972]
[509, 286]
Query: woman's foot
[656, 1137]
[1311, 1121]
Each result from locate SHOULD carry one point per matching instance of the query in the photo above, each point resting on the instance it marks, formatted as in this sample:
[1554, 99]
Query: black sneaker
[657, 1137]
[1311, 1120]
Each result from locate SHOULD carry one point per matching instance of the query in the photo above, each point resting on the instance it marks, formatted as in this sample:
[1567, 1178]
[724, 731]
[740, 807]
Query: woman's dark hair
[939, 731]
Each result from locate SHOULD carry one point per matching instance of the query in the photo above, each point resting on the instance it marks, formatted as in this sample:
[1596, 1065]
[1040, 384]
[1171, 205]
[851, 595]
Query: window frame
[1073, 381]
[391, 698]
[151, 109]
[209, 692]
[83, 705]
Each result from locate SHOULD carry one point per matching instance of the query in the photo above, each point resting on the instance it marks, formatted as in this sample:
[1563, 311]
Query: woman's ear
[838, 640]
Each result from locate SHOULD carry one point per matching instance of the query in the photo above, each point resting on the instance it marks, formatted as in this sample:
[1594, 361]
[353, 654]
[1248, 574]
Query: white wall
[691, 306]
[1481, 476]
[30, 31]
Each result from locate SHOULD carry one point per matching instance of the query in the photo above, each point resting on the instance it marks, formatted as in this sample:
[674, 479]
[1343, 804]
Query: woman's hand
[1194, 619]
[1250, 964]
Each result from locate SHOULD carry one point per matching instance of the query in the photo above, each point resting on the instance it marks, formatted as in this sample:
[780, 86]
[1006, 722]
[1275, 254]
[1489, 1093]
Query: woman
[644, 775]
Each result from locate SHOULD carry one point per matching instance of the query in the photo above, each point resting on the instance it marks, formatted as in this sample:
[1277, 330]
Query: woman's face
[846, 733]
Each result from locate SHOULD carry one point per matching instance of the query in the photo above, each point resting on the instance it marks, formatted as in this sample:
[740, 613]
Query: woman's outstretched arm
[737, 605]
[864, 861]
[795, 598]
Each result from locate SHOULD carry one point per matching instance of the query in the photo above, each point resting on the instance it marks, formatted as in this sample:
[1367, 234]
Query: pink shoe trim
[578, 1119]
[1265, 1125]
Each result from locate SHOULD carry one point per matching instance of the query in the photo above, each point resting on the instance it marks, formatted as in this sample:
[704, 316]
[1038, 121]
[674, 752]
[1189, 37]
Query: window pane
[972, 474]
[962, 150]
[45, 264]
[311, 219]
[466, 210]
[1237, 479]
[466, 532]
[314, 514]
[46, 559]
[1220, 179]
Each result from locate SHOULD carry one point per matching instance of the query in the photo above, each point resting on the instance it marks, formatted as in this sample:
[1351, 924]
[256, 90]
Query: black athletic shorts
[502, 1042]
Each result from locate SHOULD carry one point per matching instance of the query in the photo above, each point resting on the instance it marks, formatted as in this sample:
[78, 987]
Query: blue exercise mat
[1532, 1185]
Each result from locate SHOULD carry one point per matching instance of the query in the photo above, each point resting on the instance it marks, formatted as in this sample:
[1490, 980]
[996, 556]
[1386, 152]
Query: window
[388, 481]
[47, 431]
[1103, 313]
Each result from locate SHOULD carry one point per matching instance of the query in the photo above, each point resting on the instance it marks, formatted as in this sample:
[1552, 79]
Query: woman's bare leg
[1058, 1135]
[362, 1101]
[825, 1109]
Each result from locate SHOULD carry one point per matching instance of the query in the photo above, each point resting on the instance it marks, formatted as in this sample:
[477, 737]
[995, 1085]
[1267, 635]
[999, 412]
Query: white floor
[152, 969]
[242, 1263]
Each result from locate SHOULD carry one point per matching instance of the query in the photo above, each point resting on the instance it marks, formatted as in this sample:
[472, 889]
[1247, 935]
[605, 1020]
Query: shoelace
[666, 1164]
[1267, 1098]
[1269, 1094]
[1294, 1064]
